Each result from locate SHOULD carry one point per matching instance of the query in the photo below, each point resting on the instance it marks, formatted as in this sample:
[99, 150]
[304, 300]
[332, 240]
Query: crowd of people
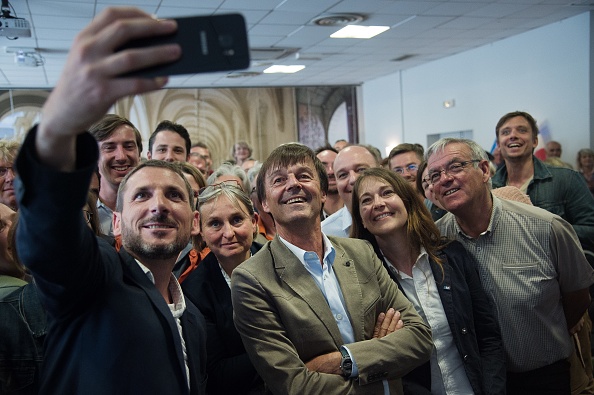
[327, 271]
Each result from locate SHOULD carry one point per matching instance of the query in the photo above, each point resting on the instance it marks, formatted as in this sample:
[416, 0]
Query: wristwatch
[346, 364]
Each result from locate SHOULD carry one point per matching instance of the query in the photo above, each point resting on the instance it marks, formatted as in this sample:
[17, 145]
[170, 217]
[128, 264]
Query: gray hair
[227, 169]
[476, 151]
[234, 194]
[253, 173]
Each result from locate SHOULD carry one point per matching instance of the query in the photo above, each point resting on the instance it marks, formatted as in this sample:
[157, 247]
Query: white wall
[544, 72]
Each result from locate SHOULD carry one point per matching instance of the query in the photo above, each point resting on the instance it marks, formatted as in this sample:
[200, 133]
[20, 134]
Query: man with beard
[120, 145]
[118, 321]
[326, 155]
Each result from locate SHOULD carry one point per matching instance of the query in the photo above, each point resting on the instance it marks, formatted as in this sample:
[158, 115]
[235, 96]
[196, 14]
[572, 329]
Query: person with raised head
[8, 152]
[405, 159]
[319, 314]
[240, 152]
[553, 149]
[227, 224]
[169, 142]
[556, 189]
[229, 172]
[348, 165]
[118, 322]
[120, 145]
[340, 144]
[202, 149]
[440, 279]
[530, 262]
[333, 203]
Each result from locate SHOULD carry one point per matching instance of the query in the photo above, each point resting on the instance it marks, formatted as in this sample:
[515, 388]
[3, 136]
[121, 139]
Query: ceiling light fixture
[283, 69]
[356, 31]
[338, 19]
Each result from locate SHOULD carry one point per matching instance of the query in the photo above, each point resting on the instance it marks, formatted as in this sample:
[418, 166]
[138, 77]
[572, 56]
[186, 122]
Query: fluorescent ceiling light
[356, 31]
[283, 69]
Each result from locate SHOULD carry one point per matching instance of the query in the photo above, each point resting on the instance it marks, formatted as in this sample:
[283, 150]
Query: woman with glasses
[227, 225]
[439, 279]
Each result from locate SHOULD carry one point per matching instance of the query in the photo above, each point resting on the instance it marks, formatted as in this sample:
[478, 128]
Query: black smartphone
[208, 43]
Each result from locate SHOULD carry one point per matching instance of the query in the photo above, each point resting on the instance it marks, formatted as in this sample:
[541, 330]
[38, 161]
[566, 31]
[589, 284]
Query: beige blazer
[284, 321]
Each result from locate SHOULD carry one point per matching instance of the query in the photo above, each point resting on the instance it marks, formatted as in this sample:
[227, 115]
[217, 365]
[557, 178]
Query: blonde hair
[9, 150]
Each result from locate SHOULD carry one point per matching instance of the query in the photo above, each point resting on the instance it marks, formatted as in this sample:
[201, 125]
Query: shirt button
[464, 331]
[339, 317]
[465, 358]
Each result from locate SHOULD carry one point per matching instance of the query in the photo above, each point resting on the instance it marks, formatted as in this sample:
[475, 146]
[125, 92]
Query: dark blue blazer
[472, 322]
[229, 368]
[110, 330]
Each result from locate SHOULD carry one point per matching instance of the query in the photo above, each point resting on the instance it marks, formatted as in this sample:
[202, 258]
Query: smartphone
[208, 43]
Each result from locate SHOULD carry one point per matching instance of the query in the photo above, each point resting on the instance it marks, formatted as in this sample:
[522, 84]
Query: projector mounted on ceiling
[27, 57]
[11, 26]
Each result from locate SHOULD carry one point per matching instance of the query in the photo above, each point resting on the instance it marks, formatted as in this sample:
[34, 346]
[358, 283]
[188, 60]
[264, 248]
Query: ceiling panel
[429, 30]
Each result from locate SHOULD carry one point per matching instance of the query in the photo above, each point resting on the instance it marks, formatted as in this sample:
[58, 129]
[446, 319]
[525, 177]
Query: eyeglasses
[412, 167]
[88, 215]
[222, 184]
[4, 171]
[452, 169]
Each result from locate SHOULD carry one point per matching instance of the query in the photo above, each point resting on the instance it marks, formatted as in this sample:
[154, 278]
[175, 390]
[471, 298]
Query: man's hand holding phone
[90, 82]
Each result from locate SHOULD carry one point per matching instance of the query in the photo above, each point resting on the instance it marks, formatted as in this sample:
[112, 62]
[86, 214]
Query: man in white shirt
[349, 163]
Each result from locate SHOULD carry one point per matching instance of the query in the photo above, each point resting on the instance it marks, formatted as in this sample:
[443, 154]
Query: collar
[493, 221]
[301, 254]
[422, 262]
[179, 303]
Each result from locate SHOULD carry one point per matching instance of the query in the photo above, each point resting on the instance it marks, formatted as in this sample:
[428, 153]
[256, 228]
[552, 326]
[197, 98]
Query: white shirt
[338, 224]
[448, 375]
[177, 309]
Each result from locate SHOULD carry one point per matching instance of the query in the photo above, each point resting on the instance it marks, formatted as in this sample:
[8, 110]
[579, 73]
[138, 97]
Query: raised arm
[89, 83]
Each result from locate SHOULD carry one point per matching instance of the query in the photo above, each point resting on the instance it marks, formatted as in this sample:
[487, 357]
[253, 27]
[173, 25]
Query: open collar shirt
[527, 258]
[448, 375]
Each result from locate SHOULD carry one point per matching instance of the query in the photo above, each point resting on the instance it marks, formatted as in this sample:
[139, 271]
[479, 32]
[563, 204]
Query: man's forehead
[154, 176]
[122, 132]
[450, 153]
[352, 157]
[327, 156]
[406, 158]
[515, 121]
[301, 165]
[202, 151]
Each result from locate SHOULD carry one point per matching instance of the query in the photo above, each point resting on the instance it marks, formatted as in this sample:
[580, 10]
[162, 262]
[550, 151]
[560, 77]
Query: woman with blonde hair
[227, 224]
[439, 279]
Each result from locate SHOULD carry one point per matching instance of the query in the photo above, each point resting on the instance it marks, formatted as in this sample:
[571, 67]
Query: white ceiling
[429, 30]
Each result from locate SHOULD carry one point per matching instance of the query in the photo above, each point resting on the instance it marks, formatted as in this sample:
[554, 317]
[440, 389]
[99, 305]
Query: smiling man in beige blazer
[320, 314]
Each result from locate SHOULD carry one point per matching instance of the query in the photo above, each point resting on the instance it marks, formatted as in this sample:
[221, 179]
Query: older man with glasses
[530, 262]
